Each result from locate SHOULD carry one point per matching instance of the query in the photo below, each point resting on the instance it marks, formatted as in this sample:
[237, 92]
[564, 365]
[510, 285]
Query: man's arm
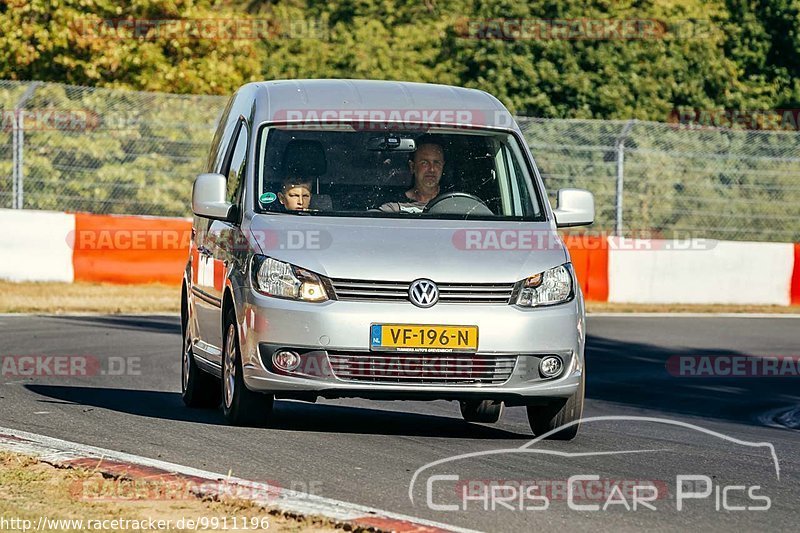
[397, 207]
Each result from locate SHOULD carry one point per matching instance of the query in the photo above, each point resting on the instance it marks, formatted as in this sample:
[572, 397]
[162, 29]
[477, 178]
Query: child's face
[296, 198]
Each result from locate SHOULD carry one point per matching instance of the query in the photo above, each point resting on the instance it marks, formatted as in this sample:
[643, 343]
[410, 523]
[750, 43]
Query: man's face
[427, 167]
[295, 199]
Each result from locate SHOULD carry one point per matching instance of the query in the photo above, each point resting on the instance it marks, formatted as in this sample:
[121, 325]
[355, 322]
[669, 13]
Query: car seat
[306, 159]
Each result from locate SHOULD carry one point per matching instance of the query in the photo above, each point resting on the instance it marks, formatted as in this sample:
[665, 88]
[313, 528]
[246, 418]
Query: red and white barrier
[34, 245]
[711, 272]
[129, 249]
[46, 246]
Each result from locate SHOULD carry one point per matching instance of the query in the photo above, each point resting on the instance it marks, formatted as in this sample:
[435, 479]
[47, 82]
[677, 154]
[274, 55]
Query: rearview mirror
[391, 143]
[208, 197]
[575, 207]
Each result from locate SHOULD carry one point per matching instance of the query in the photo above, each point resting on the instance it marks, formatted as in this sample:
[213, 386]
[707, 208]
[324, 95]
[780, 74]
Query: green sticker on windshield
[267, 198]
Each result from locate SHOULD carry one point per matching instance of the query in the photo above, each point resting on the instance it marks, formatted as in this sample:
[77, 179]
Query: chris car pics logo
[444, 489]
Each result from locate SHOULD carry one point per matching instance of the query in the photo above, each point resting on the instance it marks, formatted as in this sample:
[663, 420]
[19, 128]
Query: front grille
[432, 369]
[396, 291]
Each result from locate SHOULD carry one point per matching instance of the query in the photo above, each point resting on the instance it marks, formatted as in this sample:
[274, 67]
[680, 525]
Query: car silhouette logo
[423, 293]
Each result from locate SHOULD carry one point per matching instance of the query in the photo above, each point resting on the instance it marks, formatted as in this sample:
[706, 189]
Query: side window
[235, 169]
[219, 145]
[524, 193]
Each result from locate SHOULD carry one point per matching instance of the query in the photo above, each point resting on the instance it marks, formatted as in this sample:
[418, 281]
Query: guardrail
[53, 246]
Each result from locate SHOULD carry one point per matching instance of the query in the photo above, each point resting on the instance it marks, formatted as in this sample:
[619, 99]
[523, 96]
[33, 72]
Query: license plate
[423, 338]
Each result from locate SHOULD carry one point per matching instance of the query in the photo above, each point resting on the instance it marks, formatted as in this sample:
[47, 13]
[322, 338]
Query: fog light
[285, 360]
[551, 366]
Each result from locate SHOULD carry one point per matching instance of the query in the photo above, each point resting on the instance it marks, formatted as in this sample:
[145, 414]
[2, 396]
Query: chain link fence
[664, 179]
[72, 148]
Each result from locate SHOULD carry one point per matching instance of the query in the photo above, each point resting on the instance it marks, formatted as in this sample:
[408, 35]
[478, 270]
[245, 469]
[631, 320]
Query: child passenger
[295, 194]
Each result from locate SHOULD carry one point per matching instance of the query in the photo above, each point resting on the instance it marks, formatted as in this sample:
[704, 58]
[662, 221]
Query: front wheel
[198, 388]
[544, 419]
[240, 405]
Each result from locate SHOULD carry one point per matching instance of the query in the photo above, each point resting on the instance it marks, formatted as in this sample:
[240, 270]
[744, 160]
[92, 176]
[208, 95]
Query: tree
[151, 45]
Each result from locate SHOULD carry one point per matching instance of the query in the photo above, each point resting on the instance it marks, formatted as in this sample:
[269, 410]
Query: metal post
[20, 199]
[620, 181]
[620, 147]
[14, 165]
[18, 138]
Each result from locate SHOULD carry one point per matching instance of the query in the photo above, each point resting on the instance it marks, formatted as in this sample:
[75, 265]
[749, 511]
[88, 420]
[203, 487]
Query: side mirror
[208, 197]
[575, 208]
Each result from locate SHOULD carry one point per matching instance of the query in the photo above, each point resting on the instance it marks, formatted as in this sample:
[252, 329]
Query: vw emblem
[423, 293]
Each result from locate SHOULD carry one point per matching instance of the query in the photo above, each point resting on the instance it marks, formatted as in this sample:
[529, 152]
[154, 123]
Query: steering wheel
[462, 202]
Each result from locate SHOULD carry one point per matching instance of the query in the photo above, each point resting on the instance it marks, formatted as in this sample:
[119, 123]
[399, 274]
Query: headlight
[283, 280]
[550, 287]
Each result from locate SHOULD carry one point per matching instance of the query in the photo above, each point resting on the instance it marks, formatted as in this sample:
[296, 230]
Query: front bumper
[267, 324]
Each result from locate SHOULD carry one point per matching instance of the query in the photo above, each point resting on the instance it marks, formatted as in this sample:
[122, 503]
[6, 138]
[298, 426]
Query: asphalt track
[368, 452]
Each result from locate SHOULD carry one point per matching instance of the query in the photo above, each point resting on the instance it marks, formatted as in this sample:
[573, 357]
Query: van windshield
[449, 174]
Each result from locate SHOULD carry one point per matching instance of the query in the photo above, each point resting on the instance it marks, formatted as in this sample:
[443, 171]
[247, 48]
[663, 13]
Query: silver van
[380, 240]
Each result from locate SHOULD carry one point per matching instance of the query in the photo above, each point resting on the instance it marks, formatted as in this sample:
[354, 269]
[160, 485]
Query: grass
[64, 298]
[30, 489]
[607, 307]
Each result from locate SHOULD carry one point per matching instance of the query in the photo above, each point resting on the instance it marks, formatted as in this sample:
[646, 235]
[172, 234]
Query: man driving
[426, 166]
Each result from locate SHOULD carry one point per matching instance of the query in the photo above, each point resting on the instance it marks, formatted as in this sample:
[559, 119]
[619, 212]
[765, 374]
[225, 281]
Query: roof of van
[333, 100]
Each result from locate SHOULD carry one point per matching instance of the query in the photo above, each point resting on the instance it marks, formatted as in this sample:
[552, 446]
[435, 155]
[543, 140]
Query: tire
[483, 411]
[240, 405]
[554, 415]
[198, 389]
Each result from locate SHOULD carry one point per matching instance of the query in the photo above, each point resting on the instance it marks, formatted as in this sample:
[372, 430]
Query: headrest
[304, 158]
[321, 202]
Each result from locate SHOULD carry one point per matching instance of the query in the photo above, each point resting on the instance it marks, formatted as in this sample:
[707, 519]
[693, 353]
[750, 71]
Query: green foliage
[67, 41]
[717, 54]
